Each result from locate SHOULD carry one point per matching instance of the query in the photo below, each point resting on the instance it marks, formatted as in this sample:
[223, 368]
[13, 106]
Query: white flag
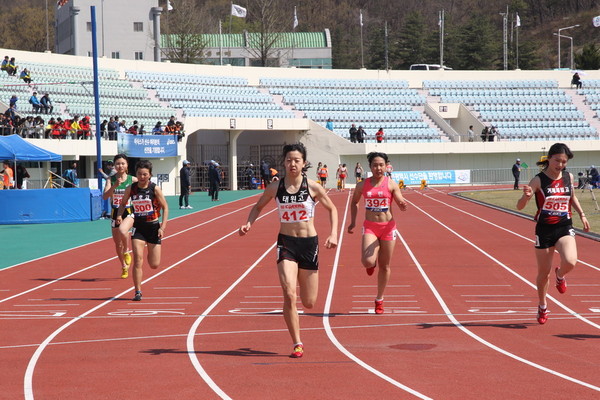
[596, 21]
[518, 24]
[361, 23]
[169, 6]
[295, 19]
[238, 11]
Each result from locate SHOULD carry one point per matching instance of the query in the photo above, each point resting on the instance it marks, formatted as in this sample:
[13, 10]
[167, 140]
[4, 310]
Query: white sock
[542, 307]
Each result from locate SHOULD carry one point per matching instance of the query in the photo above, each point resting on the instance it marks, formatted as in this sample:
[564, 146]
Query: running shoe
[124, 272]
[561, 283]
[189, 207]
[127, 258]
[542, 316]
[378, 306]
[138, 296]
[298, 351]
[370, 271]
[182, 207]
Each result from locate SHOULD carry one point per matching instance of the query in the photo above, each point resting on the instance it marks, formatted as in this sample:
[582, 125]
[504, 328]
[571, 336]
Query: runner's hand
[331, 242]
[244, 229]
[527, 191]
[351, 228]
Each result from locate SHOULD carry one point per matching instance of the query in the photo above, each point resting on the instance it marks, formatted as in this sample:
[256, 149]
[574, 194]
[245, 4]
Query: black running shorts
[303, 251]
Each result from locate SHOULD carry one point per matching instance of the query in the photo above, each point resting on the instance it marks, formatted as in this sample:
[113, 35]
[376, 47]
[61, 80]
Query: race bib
[376, 204]
[142, 207]
[556, 205]
[294, 212]
[117, 198]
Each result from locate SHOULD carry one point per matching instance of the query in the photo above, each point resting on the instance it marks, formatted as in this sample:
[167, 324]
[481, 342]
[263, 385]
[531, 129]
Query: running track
[459, 322]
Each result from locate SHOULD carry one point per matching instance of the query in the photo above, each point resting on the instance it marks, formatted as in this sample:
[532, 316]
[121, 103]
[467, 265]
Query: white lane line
[46, 305]
[505, 267]
[481, 285]
[192, 332]
[327, 325]
[28, 378]
[181, 287]
[108, 259]
[502, 228]
[473, 335]
[498, 301]
[85, 289]
[492, 295]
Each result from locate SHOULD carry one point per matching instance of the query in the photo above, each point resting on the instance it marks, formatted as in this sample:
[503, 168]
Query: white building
[124, 29]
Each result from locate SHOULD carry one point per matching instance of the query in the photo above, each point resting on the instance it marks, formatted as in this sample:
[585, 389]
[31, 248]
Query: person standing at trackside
[379, 227]
[297, 243]
[265, 173]
[114, 189]
[71, 180]
[358, 172]
[554, 197]
[148, 201]
[214, 180]
[516, 171]
[185, 184]
[388, 169]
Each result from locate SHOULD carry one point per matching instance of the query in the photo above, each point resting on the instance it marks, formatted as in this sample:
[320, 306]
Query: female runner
[554, 197]
[147, 200]
[342, 173]
[114, 190]
[297, 243]
[379, 228]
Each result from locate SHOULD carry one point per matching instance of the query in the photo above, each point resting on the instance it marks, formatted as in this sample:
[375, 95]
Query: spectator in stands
[11, 113]
[379, 135]
[179, 130]
[516, 171]
[133, 129]
[141, 131]
[4, 65]
[58, 130]
[470, 134]
[5, 125]
[13, 101]
[113, 127]
[353, 131]
[85, 131]
[171, 123]
[360, 135]
[329, 124]
[35, 103]
[73, 127]
[48, 128]
[12, 67]
[25, 76]
[485, 133]
[46, 103]
[122, 127]
[70, 175]
[27, 127]
[38, 126]
[492, 133]
[103, 129]
[158, 129]
[576, 80]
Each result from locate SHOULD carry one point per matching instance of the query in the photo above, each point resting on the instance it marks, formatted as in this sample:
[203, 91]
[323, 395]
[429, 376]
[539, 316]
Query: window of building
[138, 27]
[115, 54]
[139, 55]
[89, 26]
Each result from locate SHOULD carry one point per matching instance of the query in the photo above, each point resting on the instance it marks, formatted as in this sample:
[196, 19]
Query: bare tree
[183, 41]
[268, 23]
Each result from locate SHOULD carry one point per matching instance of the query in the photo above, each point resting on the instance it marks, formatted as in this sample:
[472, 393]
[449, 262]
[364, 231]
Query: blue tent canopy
[14, 147]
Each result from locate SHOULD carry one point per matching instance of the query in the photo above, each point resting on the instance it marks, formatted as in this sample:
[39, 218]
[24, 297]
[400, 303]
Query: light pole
[559, 35]
[567, 37]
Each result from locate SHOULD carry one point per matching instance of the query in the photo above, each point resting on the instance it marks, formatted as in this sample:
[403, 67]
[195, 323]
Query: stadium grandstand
[240, 116]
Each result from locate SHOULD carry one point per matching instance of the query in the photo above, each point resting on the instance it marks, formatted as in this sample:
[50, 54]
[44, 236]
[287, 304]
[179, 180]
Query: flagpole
[517, 37]
[387, 63]
[362, 56]
[441, 24]
[47, 29]
[230, 21]
[220, 43]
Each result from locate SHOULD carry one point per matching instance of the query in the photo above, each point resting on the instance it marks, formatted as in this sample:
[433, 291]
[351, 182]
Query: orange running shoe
[378, 306]
[561, 283]
[298, 351]
[542, 316]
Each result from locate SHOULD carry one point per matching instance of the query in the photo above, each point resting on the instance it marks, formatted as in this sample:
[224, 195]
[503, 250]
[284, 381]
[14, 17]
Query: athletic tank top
[145, 204]
[120, 190]
[377, 199]
[554, 200]
[296, 207]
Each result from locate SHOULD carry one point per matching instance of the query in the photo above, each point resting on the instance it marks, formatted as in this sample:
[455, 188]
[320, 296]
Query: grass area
[508, 199]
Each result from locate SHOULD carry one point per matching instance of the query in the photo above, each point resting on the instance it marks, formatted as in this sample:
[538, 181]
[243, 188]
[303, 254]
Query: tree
[478, 46]
[29, 33]
[183, 42]
[267, 24]
[413, 47]
[589, 58]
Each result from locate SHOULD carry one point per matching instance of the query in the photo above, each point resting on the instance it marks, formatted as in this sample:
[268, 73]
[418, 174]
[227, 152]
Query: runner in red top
[555, 196]
[379, 228]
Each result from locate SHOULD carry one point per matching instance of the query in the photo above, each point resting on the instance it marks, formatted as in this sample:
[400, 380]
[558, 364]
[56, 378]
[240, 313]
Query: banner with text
[147, 146]
[433, 177]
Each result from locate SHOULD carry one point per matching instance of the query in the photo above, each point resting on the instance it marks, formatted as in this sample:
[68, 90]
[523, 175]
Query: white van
[428, 67]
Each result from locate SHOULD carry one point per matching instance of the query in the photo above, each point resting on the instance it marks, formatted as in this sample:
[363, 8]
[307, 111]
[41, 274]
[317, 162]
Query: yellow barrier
[423, 184]
[401, 184]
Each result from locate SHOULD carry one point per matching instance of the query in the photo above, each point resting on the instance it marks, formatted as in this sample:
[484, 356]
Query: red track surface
[459, 322]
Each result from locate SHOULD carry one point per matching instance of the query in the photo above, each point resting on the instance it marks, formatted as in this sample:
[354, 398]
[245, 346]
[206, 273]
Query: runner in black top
[554, 194]
[148, 201]
[297, 244]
